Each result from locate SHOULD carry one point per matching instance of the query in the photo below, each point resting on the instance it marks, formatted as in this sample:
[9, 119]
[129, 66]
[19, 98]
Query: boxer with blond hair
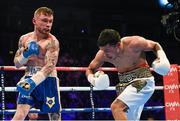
[38, 51]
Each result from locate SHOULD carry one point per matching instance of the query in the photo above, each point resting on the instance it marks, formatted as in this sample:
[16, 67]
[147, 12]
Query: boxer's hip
[31, 70]
[142, 72]
[136, 78]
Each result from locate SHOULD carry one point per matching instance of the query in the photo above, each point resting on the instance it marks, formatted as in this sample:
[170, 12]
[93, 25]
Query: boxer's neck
[39, 36]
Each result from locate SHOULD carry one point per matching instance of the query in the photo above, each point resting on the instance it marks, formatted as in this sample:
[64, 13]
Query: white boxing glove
[99, 80]
[161, 65]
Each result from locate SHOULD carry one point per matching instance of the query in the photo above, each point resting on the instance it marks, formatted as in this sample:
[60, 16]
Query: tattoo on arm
[19, 50]
[51, 57]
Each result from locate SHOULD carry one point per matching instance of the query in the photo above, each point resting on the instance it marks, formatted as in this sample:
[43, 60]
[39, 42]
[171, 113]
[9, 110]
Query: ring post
[2, 93]
[172, 94]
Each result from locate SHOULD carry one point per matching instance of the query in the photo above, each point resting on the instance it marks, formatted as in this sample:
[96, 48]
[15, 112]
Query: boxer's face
[43, 23]
[110, 51]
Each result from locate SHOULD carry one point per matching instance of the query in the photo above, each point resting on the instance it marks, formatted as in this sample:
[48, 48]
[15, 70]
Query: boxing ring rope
[13, 89]
[91, 89]
[13, 68]
[65, 110]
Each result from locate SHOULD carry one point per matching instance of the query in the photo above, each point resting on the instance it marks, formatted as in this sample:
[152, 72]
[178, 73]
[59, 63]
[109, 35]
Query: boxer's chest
[127, 60]
[43, 47]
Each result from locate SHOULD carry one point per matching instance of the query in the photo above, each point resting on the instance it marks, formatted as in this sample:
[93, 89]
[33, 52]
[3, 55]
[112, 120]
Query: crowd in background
[77, 25]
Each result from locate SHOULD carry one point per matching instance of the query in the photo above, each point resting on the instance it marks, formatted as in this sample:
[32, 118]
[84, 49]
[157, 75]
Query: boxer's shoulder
[24, 38]
[53, 39]
[27, 35]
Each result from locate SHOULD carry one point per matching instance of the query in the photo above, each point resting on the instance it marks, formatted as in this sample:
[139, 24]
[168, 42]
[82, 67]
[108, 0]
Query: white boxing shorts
[135, 100]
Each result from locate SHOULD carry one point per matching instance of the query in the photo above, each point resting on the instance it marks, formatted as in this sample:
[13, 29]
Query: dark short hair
[108, 36]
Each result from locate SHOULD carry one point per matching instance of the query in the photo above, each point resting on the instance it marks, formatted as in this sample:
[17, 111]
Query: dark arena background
[77, 24]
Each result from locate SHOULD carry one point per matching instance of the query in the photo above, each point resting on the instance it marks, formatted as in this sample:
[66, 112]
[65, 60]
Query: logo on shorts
[50, 101]
[25, 85]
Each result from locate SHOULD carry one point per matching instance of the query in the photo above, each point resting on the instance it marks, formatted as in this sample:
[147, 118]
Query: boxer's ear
[33, 21]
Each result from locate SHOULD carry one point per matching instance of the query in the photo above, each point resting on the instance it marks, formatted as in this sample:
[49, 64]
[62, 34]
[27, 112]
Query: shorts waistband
[142, 72]
[30, 70]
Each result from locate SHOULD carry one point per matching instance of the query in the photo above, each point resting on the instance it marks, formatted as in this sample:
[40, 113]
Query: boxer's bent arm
[19, 60]
[51, 57]
[158, 49]
[90, 73]
[89, 70]
[155, 47]
[160, 52]
[161, 65]
[99, 79]
[95, 63]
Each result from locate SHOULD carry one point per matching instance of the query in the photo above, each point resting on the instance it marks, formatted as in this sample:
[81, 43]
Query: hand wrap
[161, 65]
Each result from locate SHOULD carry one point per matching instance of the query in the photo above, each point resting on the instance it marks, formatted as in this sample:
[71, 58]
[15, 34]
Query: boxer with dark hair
[136, 83]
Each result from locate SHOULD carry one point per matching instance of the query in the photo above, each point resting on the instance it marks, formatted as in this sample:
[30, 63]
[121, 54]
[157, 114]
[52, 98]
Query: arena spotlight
[166, 4]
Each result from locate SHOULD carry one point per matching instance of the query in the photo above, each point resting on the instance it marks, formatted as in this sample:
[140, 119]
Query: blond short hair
[43, 10]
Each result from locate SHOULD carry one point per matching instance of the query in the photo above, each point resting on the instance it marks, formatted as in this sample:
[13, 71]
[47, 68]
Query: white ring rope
[12, 111]
[13, 89]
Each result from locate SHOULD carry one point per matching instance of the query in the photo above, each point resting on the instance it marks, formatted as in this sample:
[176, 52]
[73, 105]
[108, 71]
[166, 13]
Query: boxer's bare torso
[49, 48]
[127, 56]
